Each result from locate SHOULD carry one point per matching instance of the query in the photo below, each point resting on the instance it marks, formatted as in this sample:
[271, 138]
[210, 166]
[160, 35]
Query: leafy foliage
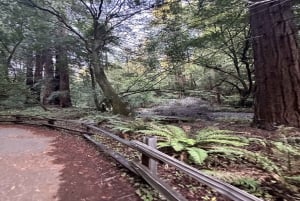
[207, 141]
[212, 135]
[246, 182]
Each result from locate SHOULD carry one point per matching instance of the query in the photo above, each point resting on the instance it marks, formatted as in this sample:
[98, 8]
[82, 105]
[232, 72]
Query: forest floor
[258, 176]
[39, 164]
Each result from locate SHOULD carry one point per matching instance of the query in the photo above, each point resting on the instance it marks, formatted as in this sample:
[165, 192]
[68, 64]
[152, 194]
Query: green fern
[256, 158]
[295, 180]
[234, 178]
[126, 127]
[216, 136]
[176, 138]
[173, 134]
[197, 155]
[286, 148]
[209, 141]
[226, 151]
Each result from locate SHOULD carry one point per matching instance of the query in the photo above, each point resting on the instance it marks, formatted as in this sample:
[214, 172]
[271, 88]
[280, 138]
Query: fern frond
[295, 180]
[176, 131]
[188, 141]
[177, 146]
[258, 141]
[197, 155]
[226, 151]
[220, 137]
[163, 144]
[155, 132]
[263, 161]
[160, 128]
[224, 142]
[122, 129]
[286, 148]
[210, 131]
[234, 178]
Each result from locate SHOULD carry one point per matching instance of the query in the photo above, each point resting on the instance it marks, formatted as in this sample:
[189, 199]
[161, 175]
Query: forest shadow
[87, 174]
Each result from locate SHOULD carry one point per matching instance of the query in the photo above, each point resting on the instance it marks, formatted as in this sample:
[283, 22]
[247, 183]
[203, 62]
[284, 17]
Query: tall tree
[48, 69]
[277, 64]
[11, 35]
[93, 22]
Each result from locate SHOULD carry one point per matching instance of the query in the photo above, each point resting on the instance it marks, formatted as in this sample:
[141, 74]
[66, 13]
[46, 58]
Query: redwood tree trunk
[38, 76]
[38, 73]
[47, 88]
[64, 81]
[29, 70]
[277, 64]
[62, 70]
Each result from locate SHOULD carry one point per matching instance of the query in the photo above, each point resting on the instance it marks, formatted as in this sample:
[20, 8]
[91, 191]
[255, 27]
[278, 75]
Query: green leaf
[187, 141]
[286, 148]
[197, 155]
[177, 146]
[176, 131]
[225, 142]
[163, 144]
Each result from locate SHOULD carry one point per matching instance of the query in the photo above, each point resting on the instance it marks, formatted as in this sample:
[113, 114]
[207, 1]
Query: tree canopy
[125, 54]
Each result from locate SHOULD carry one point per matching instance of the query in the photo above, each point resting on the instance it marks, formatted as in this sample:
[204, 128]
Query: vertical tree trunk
[29, 70]
[119, 107]
[29, 64]
[3, 67]
[64, 81]
[277, 64]
[62, 70]
[47, 87]
[38, 75]
[96, 101]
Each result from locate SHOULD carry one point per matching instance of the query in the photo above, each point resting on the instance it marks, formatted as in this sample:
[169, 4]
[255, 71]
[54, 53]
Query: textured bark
[38, 76]
[95, 97]
[277, 65]
[100, 35]
[64, 81]
[62, 70]
[47, 87]
[119, 107]
[38, 73]
[29, 70]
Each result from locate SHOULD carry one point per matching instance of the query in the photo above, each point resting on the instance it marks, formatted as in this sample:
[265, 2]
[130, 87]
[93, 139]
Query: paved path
[41, 165]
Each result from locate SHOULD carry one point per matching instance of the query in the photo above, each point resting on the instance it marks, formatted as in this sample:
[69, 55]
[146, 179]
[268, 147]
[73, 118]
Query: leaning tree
[96, 24]
[277, 63]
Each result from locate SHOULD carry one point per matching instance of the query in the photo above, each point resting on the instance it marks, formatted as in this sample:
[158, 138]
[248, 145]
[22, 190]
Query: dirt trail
[43, 165]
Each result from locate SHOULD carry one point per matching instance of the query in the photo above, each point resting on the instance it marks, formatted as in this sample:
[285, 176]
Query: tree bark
[277, 64]
[47, 87]
[119, 107]
[38, 73]
[64, 81]
[29, 70]
[95, 97]
[38, 76]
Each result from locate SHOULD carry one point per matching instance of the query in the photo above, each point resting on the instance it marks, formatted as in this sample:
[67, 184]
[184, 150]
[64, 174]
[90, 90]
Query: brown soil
[39, 164]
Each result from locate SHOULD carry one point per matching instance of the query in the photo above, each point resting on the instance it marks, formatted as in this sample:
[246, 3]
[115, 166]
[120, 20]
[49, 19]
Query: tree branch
[60, 18]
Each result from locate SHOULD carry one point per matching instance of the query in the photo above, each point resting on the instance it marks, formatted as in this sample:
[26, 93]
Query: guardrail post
[147, 161]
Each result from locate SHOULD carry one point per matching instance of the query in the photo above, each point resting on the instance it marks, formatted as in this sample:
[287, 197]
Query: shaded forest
[218, 81]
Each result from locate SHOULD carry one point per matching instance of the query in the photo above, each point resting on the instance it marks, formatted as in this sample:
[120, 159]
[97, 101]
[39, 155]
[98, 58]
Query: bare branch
[60, 18]
[100, 9]
[92, 12]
